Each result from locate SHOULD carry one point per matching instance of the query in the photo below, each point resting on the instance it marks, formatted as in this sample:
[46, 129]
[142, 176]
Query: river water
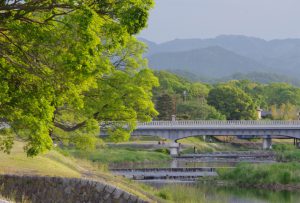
[211, 194]
[204, 193]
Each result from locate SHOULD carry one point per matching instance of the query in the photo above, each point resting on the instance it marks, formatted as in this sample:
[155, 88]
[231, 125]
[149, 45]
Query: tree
[199, 91]
[171, 83]
[282, 93]
[285, 112]
[59, 61]
[233, 102]
[198, 111]
[165, 107]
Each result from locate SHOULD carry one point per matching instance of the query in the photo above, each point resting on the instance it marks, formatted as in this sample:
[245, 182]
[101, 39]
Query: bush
[164, 151]
[252, 174]
[283, 147]
[164, 195]
[285, 177]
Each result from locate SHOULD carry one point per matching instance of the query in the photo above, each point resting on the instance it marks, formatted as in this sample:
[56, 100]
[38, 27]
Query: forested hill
[259, 77]
[246, 53]
[232, 100]
[209, 62]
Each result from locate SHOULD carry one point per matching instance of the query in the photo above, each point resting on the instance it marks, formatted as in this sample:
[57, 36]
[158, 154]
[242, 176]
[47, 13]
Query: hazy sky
[268, 19]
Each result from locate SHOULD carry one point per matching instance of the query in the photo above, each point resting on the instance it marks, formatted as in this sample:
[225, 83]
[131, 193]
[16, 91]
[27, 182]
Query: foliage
[285, 112]
[283, 147]
[255, 174]
[282, 93]
[6, 140]
[170, 83]
[194, 110]
[286, 153]
[165, 107]
[68, 65]
[235, 99]
[164, 151]
[232, 102]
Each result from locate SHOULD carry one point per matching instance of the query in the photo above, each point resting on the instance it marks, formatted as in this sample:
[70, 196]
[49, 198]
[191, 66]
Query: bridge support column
[174, 149]
[297, 143]
[267, 143]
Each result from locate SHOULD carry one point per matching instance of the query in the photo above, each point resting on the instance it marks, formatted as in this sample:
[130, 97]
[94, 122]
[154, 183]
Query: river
[197, 193]
[205, 193]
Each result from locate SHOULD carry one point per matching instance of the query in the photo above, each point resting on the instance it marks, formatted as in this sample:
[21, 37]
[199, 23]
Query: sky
[181, 19]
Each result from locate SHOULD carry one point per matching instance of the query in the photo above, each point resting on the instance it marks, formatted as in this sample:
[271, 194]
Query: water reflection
[213, 194]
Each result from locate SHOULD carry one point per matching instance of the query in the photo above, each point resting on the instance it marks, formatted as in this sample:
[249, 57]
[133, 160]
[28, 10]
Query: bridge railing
[221, 123]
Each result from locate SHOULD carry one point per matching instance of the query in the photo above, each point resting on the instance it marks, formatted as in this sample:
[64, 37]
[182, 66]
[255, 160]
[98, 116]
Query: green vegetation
[54, 163]
[232, 100]
[204, 193]
[203, 146]
[262, 174]
[286, 152]
[119, 155]
[67, 65]
[184, 194]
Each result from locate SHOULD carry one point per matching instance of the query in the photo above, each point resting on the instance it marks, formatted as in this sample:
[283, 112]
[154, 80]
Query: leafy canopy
[232, 102]
[66, 65]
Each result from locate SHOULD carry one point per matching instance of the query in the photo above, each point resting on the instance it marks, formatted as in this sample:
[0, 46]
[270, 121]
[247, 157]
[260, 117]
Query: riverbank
[273, 176]
[55, 164]
[118, 155]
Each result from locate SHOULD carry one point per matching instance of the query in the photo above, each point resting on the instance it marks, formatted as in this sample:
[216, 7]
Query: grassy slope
[119, 155]
[205, 146]
[55, 164]
[50, 164]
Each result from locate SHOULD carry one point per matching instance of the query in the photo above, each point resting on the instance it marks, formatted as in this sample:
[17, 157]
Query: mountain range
[226, 55]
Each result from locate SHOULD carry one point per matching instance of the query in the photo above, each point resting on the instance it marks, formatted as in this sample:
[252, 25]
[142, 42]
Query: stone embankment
[65, 190]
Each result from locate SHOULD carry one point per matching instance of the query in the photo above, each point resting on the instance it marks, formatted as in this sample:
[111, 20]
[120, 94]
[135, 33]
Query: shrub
[164, 195]
[164, 151]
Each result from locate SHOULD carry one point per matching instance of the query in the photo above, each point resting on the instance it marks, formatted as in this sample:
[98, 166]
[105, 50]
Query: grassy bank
[260, 175]
[118, 155]
[287, 152]
[55, 163]
[182, 194]
[203, 146]
[51, 164]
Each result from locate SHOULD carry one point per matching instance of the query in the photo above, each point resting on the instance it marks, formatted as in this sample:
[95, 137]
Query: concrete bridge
[176, 130]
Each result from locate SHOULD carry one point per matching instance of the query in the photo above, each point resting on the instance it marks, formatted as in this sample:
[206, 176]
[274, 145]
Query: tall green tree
[195, 110]
[233, 102]
[165, 106]
[67, 65]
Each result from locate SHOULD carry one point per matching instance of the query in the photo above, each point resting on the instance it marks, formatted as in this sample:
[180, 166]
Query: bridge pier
[174, 149]
[297, 143]
[267, 143]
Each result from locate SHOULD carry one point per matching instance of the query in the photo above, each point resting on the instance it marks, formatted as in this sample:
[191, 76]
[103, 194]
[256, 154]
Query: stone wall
[61, 190]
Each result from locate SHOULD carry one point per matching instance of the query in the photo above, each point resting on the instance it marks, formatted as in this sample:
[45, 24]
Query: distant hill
[212, 62]
[275, 56]
[260, 77]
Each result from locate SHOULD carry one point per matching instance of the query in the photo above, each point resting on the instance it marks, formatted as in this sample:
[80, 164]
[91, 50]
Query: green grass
[203, 146]
[52, 164]
[180, 193]
[119, 155]
[286, 152]
[262, 174]
[55, 163]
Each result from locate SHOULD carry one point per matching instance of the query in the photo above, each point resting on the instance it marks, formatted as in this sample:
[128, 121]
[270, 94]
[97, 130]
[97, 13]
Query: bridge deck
[221, 124]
